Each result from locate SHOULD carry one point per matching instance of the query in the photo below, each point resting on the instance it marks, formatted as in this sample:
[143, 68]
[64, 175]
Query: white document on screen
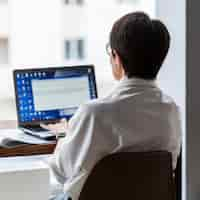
[10, 138]
[52, 94]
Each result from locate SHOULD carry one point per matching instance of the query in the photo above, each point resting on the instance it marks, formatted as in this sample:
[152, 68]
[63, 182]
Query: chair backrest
[178, 178]
[131, 176]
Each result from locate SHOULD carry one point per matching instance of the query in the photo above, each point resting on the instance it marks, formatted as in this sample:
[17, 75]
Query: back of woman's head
[141, 43]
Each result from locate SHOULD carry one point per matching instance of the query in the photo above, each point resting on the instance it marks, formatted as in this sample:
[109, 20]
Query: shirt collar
[129, 83]
[125, 81]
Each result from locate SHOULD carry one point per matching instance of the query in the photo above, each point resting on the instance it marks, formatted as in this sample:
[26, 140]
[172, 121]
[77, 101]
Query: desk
[24, 178]
[26, 149]
[29, 163]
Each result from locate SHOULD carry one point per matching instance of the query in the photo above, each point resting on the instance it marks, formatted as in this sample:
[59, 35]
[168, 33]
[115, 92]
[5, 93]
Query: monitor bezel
[48, 69]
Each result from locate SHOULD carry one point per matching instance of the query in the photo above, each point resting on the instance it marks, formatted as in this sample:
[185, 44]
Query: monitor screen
[50, 94]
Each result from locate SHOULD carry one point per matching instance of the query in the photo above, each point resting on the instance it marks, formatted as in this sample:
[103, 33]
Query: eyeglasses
[108, 49]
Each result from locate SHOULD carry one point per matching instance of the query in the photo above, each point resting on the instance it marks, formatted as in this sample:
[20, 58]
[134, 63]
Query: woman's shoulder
[97, 106]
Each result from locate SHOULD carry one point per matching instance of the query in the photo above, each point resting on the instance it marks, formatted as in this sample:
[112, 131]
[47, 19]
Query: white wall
[172, 77]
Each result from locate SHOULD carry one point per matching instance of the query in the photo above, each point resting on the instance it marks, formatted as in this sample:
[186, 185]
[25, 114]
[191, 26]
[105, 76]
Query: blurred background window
[64, 33]
[79, 2]
[74, 49]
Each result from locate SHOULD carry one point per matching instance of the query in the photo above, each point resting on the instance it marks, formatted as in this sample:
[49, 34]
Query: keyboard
[40, 133]
[37, 129]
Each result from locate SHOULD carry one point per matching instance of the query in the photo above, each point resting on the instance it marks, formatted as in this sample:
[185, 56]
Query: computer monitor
[49, 94]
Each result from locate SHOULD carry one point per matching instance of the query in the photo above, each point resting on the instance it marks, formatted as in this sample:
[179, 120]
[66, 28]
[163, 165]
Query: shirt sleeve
[85, 144]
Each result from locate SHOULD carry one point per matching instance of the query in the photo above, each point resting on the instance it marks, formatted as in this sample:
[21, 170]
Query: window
[64, 35]
[3, 1]
[74, 49]
[67, 49]
[128, 1]
[80, 48]
[78, 2]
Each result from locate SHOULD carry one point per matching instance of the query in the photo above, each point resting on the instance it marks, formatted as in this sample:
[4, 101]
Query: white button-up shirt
[135, 116]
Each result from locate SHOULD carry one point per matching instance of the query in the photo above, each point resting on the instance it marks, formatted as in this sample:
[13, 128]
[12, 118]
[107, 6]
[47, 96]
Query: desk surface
[26, 149]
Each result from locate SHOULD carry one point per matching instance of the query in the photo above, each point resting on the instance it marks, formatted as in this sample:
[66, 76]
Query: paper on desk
[16, 137]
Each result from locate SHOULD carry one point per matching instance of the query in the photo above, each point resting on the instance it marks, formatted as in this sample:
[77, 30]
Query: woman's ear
[118, 69]
[116, 57]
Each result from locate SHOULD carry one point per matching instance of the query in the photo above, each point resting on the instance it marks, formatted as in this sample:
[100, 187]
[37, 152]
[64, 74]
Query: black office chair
[178, 178]
[131, 176]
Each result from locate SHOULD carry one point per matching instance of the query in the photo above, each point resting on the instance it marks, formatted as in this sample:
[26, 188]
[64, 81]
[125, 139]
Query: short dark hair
[141, 43]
